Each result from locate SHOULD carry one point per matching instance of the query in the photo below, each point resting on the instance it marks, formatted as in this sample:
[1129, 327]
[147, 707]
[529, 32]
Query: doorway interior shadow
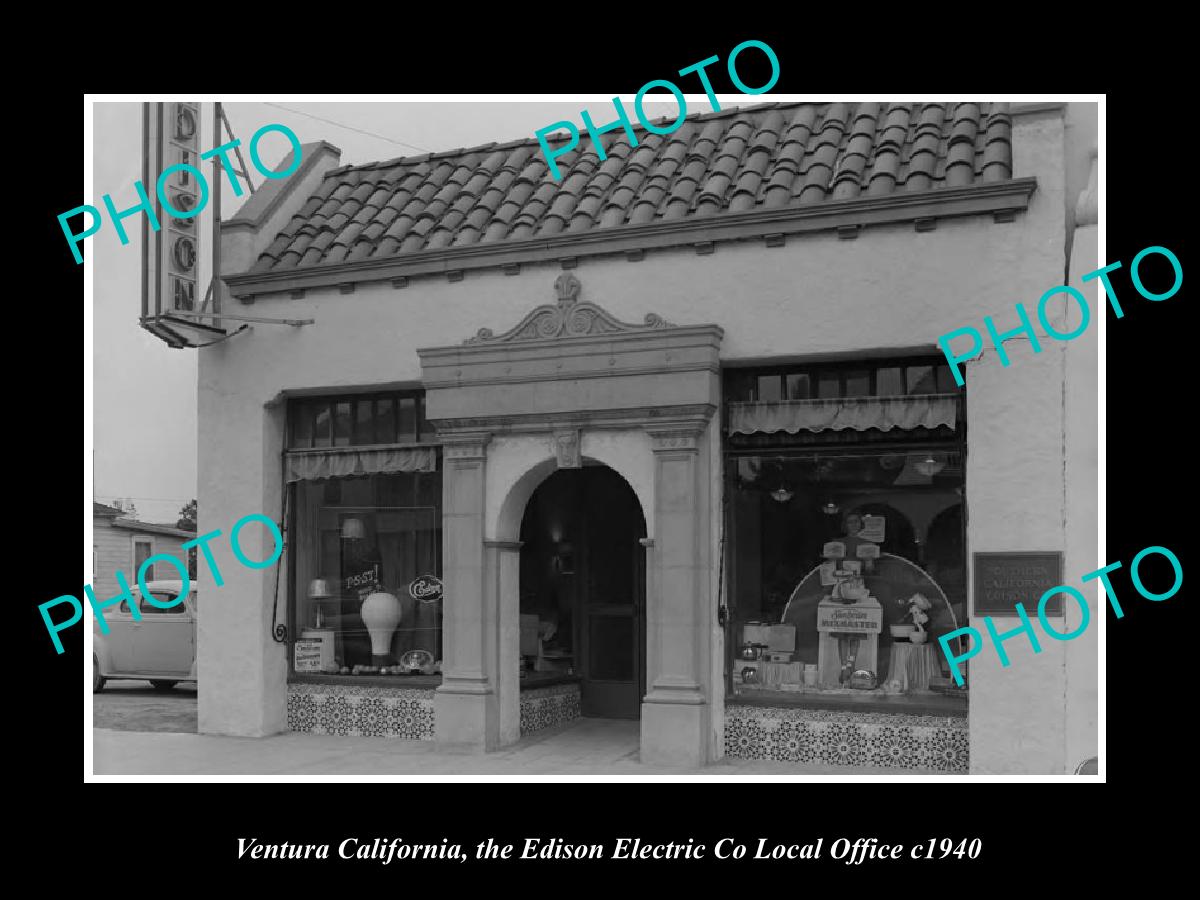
[583, 587]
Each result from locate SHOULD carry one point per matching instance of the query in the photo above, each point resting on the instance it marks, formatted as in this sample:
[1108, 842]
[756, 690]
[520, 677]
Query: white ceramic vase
[381, 614]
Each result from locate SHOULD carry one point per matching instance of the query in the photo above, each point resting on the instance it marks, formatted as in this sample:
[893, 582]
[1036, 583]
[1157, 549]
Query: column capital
[676, 437]
[465, 445]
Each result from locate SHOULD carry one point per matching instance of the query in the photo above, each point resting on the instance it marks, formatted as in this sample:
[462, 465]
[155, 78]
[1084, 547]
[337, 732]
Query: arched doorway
[583, 588]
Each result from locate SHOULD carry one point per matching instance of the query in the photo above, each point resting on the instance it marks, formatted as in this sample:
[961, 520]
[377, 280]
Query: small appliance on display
[849, 621]
[417, 662]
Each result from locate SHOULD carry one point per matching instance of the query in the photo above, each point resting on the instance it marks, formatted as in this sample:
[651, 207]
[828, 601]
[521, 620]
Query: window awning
[858, 413]
[311, 465]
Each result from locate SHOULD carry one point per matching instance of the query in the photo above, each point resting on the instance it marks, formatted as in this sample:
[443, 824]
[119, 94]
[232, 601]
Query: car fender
[195, 614]
[102, 653]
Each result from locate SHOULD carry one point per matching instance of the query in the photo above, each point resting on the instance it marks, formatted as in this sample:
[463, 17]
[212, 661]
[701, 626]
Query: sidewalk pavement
[584, 747]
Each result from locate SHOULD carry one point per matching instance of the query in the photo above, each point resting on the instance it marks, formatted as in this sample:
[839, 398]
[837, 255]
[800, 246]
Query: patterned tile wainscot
[921, 743]
[549, 706]
[360, 711]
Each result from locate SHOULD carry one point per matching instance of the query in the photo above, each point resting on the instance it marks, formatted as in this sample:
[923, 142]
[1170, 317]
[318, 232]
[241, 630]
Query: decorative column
[465, 706]
[504, 575]
[675, 710]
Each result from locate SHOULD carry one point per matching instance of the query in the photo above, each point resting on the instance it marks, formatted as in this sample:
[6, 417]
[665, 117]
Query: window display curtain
[311, 466]
[858, 413]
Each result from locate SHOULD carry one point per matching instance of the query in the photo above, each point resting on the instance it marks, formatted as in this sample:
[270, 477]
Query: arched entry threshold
[583, 588]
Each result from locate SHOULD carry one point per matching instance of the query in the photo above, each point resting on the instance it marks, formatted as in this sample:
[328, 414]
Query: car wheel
[163, 685]
[97, 678]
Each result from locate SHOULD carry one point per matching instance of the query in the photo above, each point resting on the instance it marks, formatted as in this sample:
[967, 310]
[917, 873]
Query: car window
[149, 609]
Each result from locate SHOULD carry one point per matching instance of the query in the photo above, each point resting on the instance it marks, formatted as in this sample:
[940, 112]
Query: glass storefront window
[892, 378]
[829, 554]
[769, 388]
[921, 380]
[392, 418]
[798, 387]
[367, 563]
[889, 382]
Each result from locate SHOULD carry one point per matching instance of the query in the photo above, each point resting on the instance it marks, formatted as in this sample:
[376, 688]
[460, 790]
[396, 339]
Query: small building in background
[120, 543]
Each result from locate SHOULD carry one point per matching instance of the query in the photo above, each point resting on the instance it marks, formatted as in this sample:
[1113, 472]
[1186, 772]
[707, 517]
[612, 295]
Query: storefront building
[614, 446]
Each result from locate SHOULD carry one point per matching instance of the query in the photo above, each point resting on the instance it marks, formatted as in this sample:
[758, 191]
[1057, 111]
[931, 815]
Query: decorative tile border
[904, 742]
[549, 706]
[350, 710]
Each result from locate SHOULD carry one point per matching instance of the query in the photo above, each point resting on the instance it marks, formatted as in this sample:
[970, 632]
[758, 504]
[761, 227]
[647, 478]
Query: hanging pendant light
[831, 509]
[929, 466]
[782, 494]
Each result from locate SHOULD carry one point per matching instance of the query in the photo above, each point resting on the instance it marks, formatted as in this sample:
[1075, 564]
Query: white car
[160, 648]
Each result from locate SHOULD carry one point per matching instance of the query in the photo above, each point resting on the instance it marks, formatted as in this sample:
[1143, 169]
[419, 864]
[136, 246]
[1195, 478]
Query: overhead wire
[381, 137]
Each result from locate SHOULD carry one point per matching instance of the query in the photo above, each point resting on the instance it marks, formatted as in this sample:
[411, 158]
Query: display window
[366, 525]
[844, 551]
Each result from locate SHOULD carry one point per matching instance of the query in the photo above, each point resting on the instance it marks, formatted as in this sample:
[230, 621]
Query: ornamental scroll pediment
[570, 317]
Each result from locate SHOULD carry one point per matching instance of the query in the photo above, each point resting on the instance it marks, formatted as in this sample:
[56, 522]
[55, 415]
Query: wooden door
[611, 598]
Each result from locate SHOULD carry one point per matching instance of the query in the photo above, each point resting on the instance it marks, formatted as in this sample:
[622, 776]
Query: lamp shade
[318, 589]
[353, 530]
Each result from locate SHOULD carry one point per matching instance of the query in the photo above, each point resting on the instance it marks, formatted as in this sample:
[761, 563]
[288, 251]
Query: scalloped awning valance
[858, 413]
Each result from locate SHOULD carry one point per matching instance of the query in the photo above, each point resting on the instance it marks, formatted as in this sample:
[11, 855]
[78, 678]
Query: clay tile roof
[733, 161]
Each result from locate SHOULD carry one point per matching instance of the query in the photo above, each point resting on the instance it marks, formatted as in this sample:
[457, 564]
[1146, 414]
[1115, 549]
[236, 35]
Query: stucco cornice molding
[1039, 108]
[662, 418]
[1008, 196]
[682, 436]
[464, 445]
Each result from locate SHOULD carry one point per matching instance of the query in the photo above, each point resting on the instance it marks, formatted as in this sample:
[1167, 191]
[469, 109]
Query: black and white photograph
[700, 434]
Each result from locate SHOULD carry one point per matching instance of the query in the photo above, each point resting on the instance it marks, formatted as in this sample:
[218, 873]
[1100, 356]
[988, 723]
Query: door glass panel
[610, 648]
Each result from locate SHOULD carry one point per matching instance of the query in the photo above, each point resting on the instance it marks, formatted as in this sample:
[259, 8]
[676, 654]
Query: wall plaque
[1003, 580]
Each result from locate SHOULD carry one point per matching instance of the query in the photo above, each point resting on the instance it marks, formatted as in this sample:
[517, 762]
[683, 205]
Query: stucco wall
[890, 288]
[1082, 556]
